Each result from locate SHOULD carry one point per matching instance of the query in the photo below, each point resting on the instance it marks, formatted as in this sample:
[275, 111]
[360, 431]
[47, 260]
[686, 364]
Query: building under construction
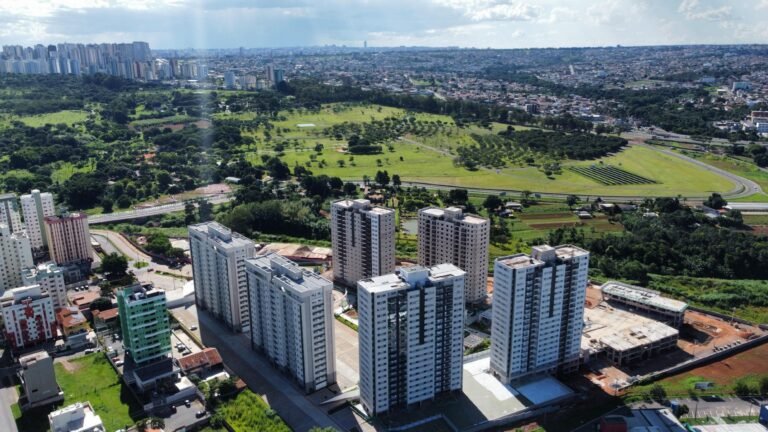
[647, 301]
[624, 337]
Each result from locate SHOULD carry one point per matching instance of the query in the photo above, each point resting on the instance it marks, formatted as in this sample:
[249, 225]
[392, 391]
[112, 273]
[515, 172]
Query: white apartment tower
[51, 279]
[218, 268]
[15, 255]
[411, 336]
[363, 240]
[292, 319]
[538, 311]
[69, 238]
[28, 316]
[9, 212]
[35, 207]
[450, 236]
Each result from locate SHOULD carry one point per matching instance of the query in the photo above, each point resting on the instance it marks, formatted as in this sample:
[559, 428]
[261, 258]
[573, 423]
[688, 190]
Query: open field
[744, 169]
[430, 158]
[610, 175]
[67, 117]
[65, 170]
[89, 378]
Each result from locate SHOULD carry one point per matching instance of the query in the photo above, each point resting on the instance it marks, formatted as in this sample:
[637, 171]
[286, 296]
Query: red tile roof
[208, 357]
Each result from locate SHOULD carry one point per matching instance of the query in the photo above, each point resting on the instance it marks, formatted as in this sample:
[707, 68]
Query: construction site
[631, 332]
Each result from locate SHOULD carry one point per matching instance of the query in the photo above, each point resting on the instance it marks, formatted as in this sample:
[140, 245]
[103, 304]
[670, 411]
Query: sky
[464, 23]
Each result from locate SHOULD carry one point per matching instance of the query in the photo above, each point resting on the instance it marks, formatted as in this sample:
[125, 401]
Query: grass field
[89, 378]
[64, 170]
[610, 175]
[68, 117]
[743, 169]
[248, 412]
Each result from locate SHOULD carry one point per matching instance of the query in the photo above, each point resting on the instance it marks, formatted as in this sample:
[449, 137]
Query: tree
[572, 200]
[205, 211]
[382, 178]
[350, 189]
[82, 191]
[458, 196]
[101, 304]
[742, 389]
[492, 202]
[189, 213]
[114, 264]
[658, 393]
[525, 197]
[106, 205]
[763, 386]
[396, 180]
[715, 201]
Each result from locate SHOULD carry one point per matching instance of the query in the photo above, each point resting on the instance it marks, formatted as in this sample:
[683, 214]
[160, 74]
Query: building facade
[9, 212]
[38, 381]
[69, 238]
[450, 236]
[218, 268]
[35, 207]
[292, 319]
[144, 322]
[411, 336]
[29, 317]
[50, 278]
[538, 311]
[363, 240]
[15, 255]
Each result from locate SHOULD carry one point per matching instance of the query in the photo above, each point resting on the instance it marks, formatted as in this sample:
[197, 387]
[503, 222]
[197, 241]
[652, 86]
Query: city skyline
[437, 23]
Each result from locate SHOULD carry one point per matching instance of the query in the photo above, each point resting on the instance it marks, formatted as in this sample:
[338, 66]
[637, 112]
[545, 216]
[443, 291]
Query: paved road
[281, 394]
[152, 211]
[8, 397]
[745, 187]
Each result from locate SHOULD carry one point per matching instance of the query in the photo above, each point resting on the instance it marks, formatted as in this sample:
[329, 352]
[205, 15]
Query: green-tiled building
[144, 321]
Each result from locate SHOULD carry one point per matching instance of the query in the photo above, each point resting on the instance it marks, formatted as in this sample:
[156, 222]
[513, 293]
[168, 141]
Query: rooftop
[297, 278]
[643, 296]
[221, 235]
[362, 205]
[454, 213]
[76, 417]
[407, 277]
[208, 357]
[15, 295]
[619, 329]
[518, 261]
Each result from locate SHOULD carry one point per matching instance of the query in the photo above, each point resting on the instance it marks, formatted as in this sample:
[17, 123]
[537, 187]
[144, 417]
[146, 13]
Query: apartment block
[15, 255]
[363, 240]
[9, 212]
[29, 317]
[292, 319]
[538, 311]
[38, 381]
[218, 268]
[144, 322]
[411, 336]
[69, 238]
[450, 236]
[50, 278]
[35, 207]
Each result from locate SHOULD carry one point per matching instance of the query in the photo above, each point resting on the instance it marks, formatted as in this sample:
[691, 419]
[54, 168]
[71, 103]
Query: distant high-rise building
[450, 236]
[15, 255]
[69, 238]
[538, 311]
[411, 336]
[292, 319]
[36, 207]
[230, 79]
[363, 240]
[144, 323]
[51, 279]
[270, 74]
[218, 267]
[279, 76]
[29, 317]
[9, 212]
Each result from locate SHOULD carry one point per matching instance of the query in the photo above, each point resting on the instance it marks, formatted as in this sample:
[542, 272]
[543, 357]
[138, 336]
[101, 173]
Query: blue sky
[466, 23]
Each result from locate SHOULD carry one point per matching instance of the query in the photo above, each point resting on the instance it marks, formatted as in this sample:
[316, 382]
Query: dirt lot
[701, 335]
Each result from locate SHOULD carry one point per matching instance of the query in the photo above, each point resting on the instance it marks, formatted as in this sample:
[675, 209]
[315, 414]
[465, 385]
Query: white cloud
[763, 4]
[492, 10]
[693, 10]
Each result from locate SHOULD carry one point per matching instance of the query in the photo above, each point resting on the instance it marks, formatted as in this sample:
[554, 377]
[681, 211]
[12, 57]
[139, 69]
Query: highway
[152, 211]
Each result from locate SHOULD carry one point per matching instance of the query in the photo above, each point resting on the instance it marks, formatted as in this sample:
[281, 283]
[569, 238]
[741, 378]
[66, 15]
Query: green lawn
[92, 379]
[62, 171]
[68, 117]
[673, 176]
[743, 169]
